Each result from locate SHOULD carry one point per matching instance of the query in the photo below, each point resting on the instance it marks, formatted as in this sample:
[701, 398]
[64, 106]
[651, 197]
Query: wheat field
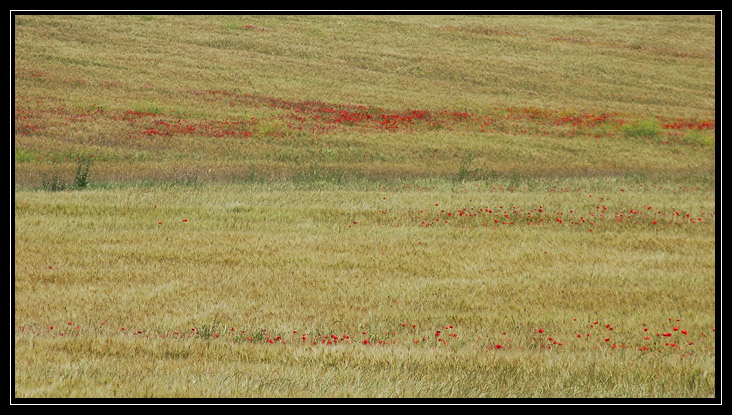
[376, 206]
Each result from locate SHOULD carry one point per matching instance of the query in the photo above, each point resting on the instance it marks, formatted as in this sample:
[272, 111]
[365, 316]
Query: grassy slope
[284, 197]
[494, 68]
[631, 66]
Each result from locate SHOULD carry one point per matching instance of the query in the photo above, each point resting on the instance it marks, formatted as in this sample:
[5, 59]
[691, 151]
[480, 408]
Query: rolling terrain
[364, 206]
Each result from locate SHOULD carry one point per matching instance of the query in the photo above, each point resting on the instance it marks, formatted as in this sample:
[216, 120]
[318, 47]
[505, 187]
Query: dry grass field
[364, 207]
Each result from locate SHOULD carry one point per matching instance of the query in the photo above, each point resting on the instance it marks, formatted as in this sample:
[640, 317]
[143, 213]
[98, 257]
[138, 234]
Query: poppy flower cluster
[674, 338]
[489, 216]
[322, 117]
[294, 117]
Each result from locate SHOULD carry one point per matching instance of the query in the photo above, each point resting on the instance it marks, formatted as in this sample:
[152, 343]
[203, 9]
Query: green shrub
[648, 128]
[53, 184]
[465, 171]
[22, 155]
[82, 172]
[701, 138]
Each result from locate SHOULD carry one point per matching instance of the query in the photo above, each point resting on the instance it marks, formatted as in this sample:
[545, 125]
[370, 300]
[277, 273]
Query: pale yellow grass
[291, 231]
[125, 367]
[269, 259]
[638, 64]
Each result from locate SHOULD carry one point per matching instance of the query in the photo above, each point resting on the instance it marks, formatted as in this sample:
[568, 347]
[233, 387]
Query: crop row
[672, 337]
[584, 41]
[320, 116]
[288, 118]
[486, 216]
